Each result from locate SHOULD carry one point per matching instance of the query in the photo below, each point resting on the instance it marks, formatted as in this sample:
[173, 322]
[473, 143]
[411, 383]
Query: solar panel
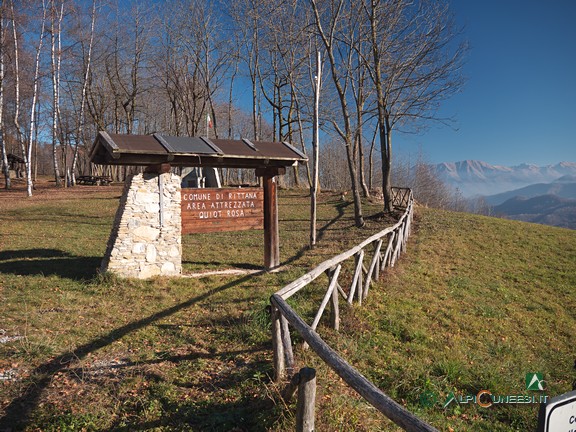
[193, 145]
[118, 149]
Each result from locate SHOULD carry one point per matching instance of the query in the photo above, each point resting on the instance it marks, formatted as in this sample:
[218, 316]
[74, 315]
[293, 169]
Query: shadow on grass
[18, 412]
[45, 262]
[321, 232]
[340, 207]
[245, 414]
[241, 266]
[251, 411]
[110, 370]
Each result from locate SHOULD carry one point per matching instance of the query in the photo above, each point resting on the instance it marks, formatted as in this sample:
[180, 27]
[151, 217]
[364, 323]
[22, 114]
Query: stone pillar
[146, 237]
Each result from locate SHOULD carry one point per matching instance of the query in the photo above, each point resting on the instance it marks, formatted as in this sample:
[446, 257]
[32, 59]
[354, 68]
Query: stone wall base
[146, 237]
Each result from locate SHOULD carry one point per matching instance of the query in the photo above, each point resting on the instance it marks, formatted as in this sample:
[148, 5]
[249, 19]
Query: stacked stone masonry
[146, 237]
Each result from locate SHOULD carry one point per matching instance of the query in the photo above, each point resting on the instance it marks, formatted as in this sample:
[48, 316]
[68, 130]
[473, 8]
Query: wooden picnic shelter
[159, 153]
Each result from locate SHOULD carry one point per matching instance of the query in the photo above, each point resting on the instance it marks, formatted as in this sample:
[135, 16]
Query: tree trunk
[315, 151]
[55, 95]
[328, 41]
[386, 154]
[81, 115]
[5, 167]
[303, 147]
[358, 217]
[371, 159]
[365, 190]
[17, 84]
[28, 158]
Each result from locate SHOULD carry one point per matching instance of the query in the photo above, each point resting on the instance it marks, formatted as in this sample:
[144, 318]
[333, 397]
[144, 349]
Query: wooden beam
[271, 233]
[271, 171]
[295, 286]
[162, 168]
[357, 278]
[103, 157]
[375, 260]
[287, 346]
[378, 399]
[278, 346]
[327, 297]
[335, 311]
[306, 404]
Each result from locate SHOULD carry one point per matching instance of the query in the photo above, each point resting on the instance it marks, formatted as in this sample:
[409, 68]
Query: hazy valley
[530, 193]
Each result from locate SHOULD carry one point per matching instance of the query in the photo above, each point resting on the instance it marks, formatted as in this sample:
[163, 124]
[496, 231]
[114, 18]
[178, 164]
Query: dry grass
[91, 352]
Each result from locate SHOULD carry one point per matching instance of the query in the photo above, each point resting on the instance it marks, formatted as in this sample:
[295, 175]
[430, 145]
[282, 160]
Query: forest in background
[245, 69]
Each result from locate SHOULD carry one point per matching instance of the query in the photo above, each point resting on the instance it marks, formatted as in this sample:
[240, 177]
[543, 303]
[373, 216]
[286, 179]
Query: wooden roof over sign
[117, 149]
[12, 158]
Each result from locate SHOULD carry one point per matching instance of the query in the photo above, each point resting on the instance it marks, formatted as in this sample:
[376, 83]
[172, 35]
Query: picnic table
[93, 180]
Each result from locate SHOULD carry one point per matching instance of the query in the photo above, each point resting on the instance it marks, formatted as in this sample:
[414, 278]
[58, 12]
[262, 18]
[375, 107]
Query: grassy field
[475, 304]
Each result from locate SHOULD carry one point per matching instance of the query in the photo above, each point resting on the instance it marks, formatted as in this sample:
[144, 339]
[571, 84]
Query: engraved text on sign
[229, 209]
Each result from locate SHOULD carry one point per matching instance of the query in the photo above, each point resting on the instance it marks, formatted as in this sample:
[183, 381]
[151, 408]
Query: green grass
[476, 303]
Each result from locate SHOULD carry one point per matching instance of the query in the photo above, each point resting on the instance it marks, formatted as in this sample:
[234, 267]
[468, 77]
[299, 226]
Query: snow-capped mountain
[473, 177]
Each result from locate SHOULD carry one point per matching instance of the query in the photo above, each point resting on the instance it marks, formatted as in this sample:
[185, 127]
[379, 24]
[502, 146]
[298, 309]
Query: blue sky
[519, 102]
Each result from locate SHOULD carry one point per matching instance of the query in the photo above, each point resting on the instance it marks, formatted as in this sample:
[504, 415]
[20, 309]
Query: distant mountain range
[563, 187]
[544, 209]
[529, 193]
[473, 177]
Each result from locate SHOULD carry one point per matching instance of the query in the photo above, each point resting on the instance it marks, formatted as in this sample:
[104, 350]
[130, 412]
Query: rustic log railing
[384, 248]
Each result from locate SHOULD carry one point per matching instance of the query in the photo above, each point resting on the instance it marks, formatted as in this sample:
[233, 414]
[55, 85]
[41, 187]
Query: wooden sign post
[233, 209]
[271, 232]
[209, 210]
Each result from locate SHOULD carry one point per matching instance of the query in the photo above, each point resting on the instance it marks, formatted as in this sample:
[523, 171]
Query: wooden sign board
[223, 209]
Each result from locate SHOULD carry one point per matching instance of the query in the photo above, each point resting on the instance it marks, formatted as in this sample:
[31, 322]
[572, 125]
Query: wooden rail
[386, 247]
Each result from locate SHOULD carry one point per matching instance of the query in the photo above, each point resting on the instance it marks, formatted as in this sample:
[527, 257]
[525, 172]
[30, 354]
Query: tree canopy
[69, 68]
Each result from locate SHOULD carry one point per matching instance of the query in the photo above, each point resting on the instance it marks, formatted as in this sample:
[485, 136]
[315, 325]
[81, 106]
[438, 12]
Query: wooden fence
[370, 257]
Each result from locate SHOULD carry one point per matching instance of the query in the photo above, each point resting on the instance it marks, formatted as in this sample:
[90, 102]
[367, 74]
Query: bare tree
[317, 83]
[415, 64]
[81, 112]
[335, 25]
[33, 134]
[16, 52]
[284, 73]
[56, 16]
[334, 163]
[5, 167]
[360, 93]
[145, 68]
[195, 64]
[247, 18]
[35, 90]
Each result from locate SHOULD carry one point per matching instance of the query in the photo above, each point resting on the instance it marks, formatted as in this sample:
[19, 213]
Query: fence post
[277, 346]
[375, 259]
[361, 280]
[306, 405]
[386, 259]
[287, 346]
[335, 311]
[358, 258]
[378, 257]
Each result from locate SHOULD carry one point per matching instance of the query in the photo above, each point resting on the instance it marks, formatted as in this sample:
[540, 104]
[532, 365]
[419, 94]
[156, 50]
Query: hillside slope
[475, 303]
[544, 209]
